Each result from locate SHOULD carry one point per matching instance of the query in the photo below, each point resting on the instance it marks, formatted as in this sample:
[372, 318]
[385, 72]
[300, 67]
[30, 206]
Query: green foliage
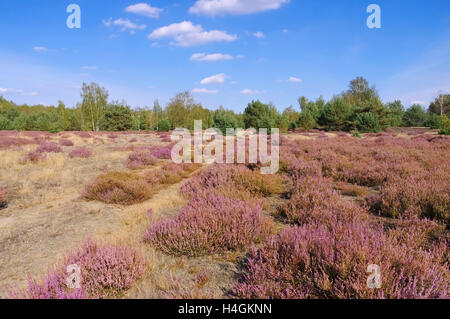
[367, 122]
[223, 120]
[395, 113]
[441, 105]
[433, 121]
[164, 125]
[415, 116]
[337, 114]
[444, 125]
[356, 134]
[258, 115]
[95, 99]
[117, 117]
[307, 120]
[292, 126]
[5, 123]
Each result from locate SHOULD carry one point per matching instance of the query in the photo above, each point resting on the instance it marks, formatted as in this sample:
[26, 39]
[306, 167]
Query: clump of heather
[49, 147]
[33, 157]
[3, 200]
[8, 141]
[210, 225]
[83, 134]
[65, 142]
[133, 140]
[235, 181]
[330, 261]
[140, 159]
[106, 271]
[164, 152]
[426, 194]
[80, 152]
[113, 136]
[118, 188]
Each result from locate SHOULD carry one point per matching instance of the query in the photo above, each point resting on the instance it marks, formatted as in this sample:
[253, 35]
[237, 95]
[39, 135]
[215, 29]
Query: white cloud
[206, 91]
[17, 91]
[291, 79]
[214, 79]
[186, 34]
[90, 68]
[250, 92]
[124, 25]
[202, 57]
[236, 7]
[259, 35]
[40, 49]
[144, 9]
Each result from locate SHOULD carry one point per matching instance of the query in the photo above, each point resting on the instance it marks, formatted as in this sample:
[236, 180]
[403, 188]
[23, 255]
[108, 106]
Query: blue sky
[227, 52]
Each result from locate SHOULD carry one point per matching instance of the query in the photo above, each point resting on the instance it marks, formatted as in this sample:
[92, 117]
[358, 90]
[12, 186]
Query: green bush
[5, 124]
[433, 121]
[415, 116]
[307, 120]
[336, 115]
[164, 125]
[368, 122]
[224, 120]
[445, 125]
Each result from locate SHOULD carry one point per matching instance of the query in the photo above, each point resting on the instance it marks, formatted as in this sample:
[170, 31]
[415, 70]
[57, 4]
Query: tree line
[357, 109]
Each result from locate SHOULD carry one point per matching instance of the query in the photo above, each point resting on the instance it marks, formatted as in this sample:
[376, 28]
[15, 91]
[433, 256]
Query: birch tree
[94, 103]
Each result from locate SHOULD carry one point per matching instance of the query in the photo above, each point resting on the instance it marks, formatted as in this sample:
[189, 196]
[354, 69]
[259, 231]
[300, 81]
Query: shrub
[164, 152]
[49, 147]
[164, 125]
[3, 200]
[80, 152]
[316, 261]
[367, 122]
[444, 125]
[425, 194]
[235, 181]
[140, 158]
[65, 142]
[209, 225]
[118, 188]
[336, 114]
[133, 140]
[414, 116]
[106, 271]
[83, 134]
[33, 157]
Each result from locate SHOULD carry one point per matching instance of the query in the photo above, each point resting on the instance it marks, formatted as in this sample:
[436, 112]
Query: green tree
[164, 125]
[445, 125]
[223, 120]
[414, 116]
[336, 115]
[258, 115]
[94, 103]
[396, 112]
[441, 105]
[117, 117]
[5, 123]
[367, 122]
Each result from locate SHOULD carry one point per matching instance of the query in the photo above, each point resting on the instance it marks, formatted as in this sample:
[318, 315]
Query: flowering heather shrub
[65, 142]
[83, 134]
[426, 194]
[140, 158]
[236, 181]
[209, 225]
[106, 271]
[80, 152]
[113, 136]
[118, 188]
[8, 141]
[33, 157]
[352, 190]
[170, 173]
[313, 199]
[49, 147]
[3, 201]
[164, 152]
[319, 261]
[133, 140]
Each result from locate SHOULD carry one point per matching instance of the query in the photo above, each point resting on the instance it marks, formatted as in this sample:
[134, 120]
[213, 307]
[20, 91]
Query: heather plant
[330, 261]
[33, 157]
[3, 200]
[209, 225]
[118, 188]
[83, 134]
[140, 158]
[425, 194]
[49, 147]
[164, 152]
[236, 181]
[106, 271]
[80, 152]
[65, 142]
